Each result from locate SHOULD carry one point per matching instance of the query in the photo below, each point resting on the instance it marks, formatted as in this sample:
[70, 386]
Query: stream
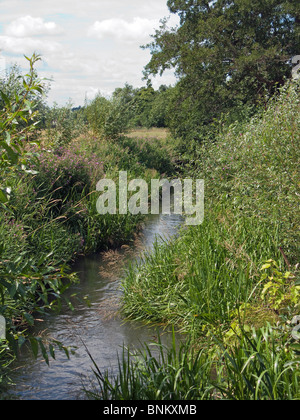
[98, 325]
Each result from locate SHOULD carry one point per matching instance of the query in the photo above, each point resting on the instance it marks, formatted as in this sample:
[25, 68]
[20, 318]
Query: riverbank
[232, 283]
[51, 220]
[97, 327]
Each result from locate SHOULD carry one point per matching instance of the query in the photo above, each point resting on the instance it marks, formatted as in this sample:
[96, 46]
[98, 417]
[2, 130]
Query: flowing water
[97, 326]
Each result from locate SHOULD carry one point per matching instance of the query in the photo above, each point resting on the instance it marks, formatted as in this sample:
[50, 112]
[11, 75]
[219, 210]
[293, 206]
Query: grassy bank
[51, 218]
[230, 284]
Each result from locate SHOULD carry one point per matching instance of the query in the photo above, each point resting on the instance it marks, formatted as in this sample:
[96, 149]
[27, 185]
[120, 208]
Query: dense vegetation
[228, 55]
[50, 165]
[230, 285]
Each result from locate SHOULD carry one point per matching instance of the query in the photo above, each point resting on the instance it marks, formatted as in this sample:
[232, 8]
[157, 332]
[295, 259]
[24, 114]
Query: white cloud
[2, 64]
[28, 45]
[28, 26]
[82, 65]
[122, 30]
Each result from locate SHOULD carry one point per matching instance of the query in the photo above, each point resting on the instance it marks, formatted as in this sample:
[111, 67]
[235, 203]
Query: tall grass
[202, 277]
[155, 373]
[251, 216]
[252, 369]
[211, 284]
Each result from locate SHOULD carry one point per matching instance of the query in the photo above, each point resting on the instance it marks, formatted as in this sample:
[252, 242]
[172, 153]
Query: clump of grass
[157, 372]
[201, 277]
[257, 367]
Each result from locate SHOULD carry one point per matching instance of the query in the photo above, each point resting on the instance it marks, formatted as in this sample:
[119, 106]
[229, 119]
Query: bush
[108, 118]
[63, 124]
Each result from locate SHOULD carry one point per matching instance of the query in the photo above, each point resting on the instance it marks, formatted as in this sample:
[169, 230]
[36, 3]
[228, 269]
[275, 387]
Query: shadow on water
[98, 326]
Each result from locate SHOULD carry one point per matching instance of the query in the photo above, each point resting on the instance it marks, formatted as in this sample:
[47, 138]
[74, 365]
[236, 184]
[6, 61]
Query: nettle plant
[18, 121]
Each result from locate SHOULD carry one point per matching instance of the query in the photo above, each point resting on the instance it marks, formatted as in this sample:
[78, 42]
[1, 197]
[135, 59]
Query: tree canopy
[225, 53]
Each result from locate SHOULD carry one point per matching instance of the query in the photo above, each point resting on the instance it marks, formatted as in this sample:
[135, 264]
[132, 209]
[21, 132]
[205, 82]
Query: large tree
[225, 53]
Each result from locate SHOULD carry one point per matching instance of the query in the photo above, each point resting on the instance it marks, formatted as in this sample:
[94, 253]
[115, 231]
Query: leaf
[3, 197]
[295, 347]
[267, 286]
[7, 135]
[13, 290]
[44, 352]
[11, 154]
[21, 341]
[29, 318]
[265, 266]
[5, 98]
[34, 346]
[37, 88]
[51, 351]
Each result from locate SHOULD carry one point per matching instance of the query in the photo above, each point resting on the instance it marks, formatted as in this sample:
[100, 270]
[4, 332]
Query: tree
[159, 112]
[108, 117]
[18, 120]
[143, 106]
[226, 53]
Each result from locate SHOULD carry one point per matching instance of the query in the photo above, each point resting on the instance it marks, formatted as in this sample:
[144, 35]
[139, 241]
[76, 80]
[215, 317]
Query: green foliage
[129, 108]
[258, 367]
[279, 289]
[18, 119]
[226, 54]
[157, 372]
[150, 153]
[151, 108]
[48, 210]
[63, 124]
[51, 215]
[11, 83]
[208, 282]
[108, 118]
[251, 213]
[199, 280]
[261, 366]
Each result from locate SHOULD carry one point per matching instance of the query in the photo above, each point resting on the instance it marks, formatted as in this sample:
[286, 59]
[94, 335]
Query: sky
[87, 46]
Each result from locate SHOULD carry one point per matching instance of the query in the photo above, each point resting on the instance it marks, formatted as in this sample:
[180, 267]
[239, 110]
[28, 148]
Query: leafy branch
[18, 119]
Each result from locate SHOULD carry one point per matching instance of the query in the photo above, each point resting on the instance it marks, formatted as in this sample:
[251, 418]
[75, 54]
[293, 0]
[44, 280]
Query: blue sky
[87, 46]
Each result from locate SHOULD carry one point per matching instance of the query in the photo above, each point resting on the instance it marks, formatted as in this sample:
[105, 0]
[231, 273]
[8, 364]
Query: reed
[253, 369]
